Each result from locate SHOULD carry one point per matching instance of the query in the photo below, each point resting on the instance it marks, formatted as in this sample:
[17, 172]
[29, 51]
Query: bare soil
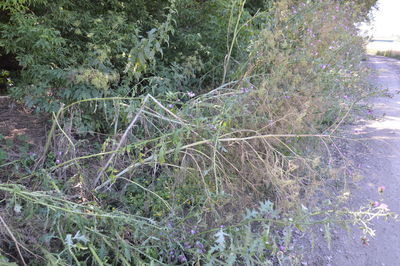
[15, 120]
[22, 132]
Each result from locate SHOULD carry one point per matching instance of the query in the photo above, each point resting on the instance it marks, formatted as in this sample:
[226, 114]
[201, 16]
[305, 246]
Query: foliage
[75, 50]
[72, 50]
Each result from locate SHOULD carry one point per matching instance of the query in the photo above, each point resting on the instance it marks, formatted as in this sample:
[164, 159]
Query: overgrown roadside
[213, 155]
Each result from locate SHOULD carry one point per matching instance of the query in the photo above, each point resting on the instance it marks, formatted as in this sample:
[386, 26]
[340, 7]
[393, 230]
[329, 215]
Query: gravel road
[380, 166]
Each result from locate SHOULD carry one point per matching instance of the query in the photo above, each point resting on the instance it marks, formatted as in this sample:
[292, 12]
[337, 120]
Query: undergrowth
[221, 174]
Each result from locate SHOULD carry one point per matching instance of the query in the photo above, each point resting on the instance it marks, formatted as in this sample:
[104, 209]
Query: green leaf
[78, 236]
[220, 240]
[161, 154]
[17, 208]
[96, 257]
[68, 240]
[3, 155]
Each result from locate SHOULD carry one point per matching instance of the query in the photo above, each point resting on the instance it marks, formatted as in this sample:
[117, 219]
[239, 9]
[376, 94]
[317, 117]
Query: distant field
[387, 48]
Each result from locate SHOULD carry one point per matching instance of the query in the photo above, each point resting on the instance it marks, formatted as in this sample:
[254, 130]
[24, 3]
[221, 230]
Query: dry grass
[391, 49]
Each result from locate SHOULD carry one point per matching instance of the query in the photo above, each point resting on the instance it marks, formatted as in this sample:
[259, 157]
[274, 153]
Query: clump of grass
[392, 54]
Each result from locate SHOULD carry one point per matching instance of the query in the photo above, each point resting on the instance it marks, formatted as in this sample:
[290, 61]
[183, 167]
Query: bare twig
[17, 244]
[121, 142]
[50, 136]
[207, 141]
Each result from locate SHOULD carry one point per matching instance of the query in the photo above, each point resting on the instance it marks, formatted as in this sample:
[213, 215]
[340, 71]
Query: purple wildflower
[194, 230]
[282, 248]
[187, 245]
[245, 90]
[212, 127]
[199, 245]
[182, 258]
[58, 161]
[170, 106]
[191, 94]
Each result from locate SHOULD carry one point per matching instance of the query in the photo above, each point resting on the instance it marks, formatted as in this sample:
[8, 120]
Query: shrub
[73, 50]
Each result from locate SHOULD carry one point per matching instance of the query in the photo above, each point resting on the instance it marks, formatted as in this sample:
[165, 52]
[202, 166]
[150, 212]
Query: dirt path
[379, 163]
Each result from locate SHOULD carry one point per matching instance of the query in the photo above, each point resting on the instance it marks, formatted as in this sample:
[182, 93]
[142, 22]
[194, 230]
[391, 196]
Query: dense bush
[72, 50]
